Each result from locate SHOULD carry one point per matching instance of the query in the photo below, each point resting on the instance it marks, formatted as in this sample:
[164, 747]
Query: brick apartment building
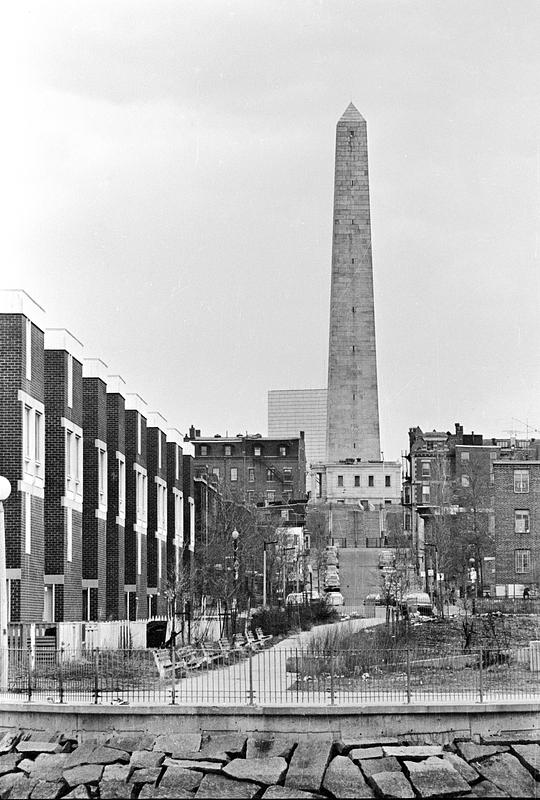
[253, 469]
[116, 498]
[517, 524]
[135, 537]
[95, 495]
[175, 503]
[22, 450]
[156, 546]
[63, 476]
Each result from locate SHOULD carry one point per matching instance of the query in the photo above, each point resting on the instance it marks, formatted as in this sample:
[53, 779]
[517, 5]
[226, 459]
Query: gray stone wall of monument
[353, 408]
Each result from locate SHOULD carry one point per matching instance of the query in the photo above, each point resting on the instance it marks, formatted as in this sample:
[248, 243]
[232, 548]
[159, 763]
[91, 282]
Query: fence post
[332, 697]
[173, 669]
[251, 695]
[61, 676]
[96, 676]
[481, 676]
[29, 673]
[408, 675]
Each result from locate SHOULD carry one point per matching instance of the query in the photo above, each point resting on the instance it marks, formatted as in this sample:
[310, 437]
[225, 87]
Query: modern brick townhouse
[156, 545]
[135, 537]
[116, 500]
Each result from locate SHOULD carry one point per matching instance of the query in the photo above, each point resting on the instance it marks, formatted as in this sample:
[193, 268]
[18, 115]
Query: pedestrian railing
[274, 676]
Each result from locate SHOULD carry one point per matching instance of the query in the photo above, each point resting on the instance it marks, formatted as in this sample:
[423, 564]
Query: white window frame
[228, 450]
[257, 451]
[270, 495]
[426, 493]
[234, 474]
[215, 471]
[73, 455]
[522, 520]
[282, 450]
[521, 481]
[204, 450]
[102, 464]
[161, 503]
[141, 498]
[465, 481]
[522, 561]
[251, 474]
[32, 446]
[121, 471]
[425, 469]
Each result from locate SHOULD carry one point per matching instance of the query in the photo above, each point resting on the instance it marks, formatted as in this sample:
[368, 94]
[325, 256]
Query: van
[417, 602]
[334, 599]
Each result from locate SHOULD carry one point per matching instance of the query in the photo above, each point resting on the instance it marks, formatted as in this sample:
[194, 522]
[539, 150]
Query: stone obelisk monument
[353, 407]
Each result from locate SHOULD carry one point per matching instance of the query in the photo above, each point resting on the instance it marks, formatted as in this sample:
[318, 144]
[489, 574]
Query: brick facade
[116, 502]
[156, 542]
[175, 504]
[95, 462]
[135, 572]
[22, 387]
[63, 476]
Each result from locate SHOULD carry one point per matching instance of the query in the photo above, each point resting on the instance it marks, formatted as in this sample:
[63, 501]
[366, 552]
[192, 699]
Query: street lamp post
[236, 570]
[5, 491]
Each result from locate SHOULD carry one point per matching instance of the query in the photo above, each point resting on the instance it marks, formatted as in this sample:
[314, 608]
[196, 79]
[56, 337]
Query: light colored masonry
[353, 407]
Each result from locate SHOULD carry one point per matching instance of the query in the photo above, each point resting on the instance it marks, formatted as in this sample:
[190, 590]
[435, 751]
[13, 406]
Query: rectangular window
[228, 450]
[69, 458]
[425, 494]
[270, 495]
[234, 474]
[357, 480]
[27, 432]
[371, 480]
[28, 350]
[521, 481]
[102, 477]
[287, 474]
[38, 422]
[256, 451]
[77, 460]
[388, 481]
[70, 380]
[269, 474]
[251, 497]
[426, 469]
[522, 521]
[285, 514]
[215, 471]
[522, 561]
[464, 456]
[204, 450]
[283, 451]
[340, 480]
[465, 482]
[251, 475]
[28, 523]
[121, 486]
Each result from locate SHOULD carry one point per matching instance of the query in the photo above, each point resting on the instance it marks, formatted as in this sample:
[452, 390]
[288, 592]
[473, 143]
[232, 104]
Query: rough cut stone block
[391, 784]
[35, 746]
[85, 773]
[167, 793]
[8, 762]
[8, 740]
[472, 752]
[361, 753]
[486, 789]
[350, 744]
[146, 758]
[413, 750]
[264, 746]
[145, 775]
[262, 770]
[185, 779]
[91, 753]
[435, 777]
[116, 772]
[529, 755]
[48, 766]
[178, 743]
[202, 766]
[283, 793]
[344, 779]
[218, 787]
[467, 772]
[308, 764]
[47, 790]
[506, 772]
[513, 737]
[131, 743]
[26, 765]
[114, 790]
[374, 765]
[223, 745]
[17, 784]
[80, 792]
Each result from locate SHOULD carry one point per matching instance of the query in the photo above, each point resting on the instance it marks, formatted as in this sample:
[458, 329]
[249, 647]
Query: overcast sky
[169, 168]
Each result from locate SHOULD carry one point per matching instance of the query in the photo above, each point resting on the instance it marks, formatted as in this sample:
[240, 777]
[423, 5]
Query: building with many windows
[252, 469]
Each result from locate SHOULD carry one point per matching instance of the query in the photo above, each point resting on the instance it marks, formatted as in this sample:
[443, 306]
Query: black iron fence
[225, 675]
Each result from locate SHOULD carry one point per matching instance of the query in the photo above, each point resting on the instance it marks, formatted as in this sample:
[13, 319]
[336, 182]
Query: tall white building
[293, 410]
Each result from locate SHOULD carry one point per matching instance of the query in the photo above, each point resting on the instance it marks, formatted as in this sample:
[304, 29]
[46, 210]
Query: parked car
[331, 559]
[335, 599]
[296, 599]
[417, 602]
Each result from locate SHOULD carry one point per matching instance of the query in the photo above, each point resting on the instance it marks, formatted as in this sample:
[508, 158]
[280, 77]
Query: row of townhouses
[102, 504]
